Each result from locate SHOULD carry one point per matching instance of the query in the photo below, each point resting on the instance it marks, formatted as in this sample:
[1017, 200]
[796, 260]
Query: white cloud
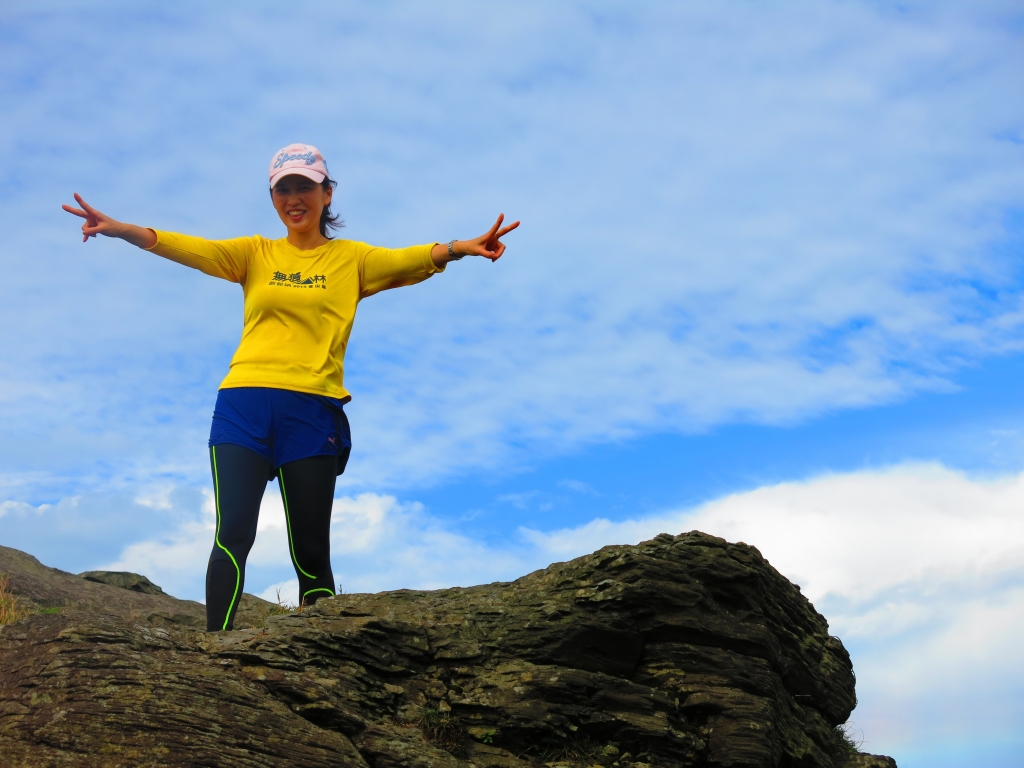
[176, 560]
[880, 530]
[518, 500]
[577, 486]
[156, 496]
[377, 543]
[799, 214]
[282, 593]
[21, 507]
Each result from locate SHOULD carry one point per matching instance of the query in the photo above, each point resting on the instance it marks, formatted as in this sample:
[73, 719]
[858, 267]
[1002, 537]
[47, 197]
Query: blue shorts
[281, 425]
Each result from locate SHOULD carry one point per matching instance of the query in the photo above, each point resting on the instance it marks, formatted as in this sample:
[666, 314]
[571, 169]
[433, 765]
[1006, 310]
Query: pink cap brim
[308, 173]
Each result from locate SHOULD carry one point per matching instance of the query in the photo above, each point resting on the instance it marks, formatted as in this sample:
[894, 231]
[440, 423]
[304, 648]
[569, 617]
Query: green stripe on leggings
[288, 520]
[318, 589]
[216, 538]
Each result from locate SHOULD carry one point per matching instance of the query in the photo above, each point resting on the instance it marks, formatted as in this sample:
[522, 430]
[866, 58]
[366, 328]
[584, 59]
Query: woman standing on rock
[280, 410]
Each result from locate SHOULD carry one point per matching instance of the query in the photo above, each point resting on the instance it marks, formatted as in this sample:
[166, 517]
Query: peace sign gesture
[97, 223]
[488, 245]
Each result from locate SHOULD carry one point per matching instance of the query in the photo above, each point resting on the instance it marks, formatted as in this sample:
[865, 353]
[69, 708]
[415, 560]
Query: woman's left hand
[488, 245]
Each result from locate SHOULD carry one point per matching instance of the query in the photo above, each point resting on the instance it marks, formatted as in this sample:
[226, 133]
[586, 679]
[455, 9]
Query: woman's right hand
[97, 223]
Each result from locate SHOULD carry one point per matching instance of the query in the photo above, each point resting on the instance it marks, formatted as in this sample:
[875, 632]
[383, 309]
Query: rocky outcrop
[869, 761]
[681, 651]
[130, 581]
[49, 590]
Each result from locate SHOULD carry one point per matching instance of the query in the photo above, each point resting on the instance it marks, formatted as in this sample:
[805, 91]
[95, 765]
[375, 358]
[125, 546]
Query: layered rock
[51, 590]
[869, 761]
[681, 651]
[133, 582]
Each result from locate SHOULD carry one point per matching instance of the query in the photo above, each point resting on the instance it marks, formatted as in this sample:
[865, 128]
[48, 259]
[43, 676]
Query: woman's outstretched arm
[97, 223]
[227, 259]
[488, 245]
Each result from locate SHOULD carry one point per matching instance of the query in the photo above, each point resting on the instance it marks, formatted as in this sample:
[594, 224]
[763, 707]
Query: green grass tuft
[845, 743]
[443, 729]
[11, 609]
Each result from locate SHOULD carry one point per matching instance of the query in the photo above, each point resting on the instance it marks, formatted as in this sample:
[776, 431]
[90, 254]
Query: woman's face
[299, 202]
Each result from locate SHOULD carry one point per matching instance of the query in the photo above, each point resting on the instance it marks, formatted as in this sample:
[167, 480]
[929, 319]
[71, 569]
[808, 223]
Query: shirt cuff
[154, 245]
[431, 266]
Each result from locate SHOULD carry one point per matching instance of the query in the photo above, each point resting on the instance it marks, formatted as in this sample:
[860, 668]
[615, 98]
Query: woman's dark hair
[328, 220]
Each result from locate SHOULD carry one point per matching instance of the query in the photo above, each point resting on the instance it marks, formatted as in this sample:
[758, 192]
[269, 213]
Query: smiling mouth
[296, 214]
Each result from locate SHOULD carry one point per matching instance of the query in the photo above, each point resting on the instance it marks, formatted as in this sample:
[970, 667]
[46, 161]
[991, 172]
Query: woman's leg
[239, 479]
[307, 490]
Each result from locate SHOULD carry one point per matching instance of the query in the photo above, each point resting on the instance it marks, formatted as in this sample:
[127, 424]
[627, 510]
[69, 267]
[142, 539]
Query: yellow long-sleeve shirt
[299, 305]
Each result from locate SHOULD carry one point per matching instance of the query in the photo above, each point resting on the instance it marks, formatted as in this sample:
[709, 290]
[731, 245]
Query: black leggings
[307, 490]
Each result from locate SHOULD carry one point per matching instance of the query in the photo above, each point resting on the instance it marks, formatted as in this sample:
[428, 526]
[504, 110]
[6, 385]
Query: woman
[280, 410]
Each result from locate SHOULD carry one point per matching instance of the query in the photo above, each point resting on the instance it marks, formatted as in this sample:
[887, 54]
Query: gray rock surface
[680, 651]
[869, 761]
[128, 595]
[124, 580]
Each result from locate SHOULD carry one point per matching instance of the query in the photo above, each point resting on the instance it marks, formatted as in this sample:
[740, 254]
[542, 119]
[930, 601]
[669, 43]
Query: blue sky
[768, 285]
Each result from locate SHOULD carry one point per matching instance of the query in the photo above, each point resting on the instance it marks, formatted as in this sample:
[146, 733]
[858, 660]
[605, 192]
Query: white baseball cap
[298, 160]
